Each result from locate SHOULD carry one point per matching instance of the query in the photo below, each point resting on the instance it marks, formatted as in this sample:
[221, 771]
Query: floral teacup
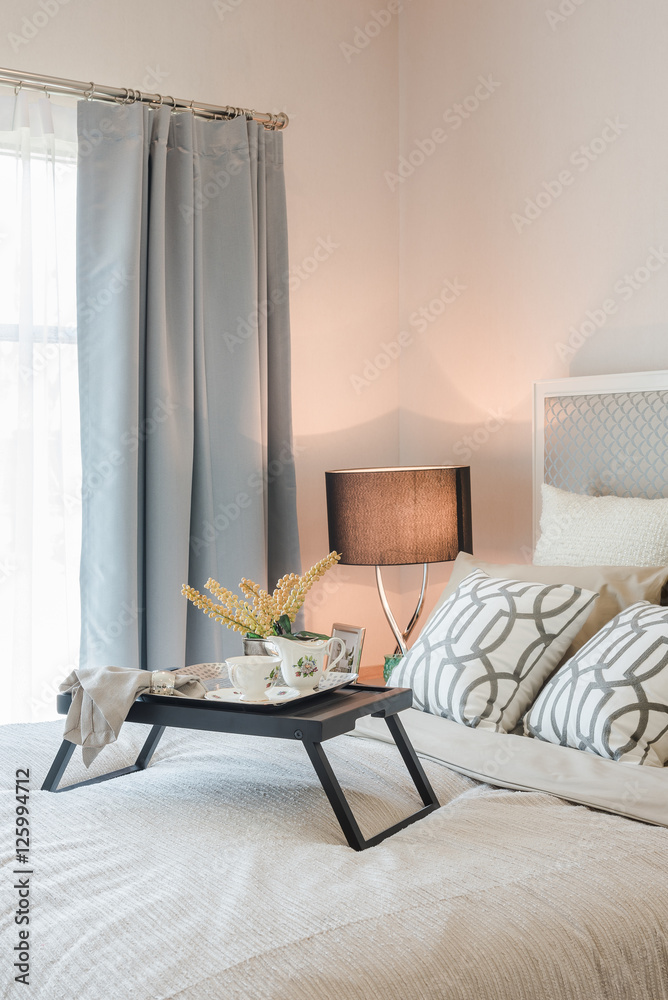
[303, 660]
[253, 675]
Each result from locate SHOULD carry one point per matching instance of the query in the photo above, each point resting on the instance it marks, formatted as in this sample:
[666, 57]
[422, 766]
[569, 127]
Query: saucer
[234, 697]
[277, 695]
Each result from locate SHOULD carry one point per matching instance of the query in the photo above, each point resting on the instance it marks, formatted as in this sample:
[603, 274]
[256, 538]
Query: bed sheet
[221, 872]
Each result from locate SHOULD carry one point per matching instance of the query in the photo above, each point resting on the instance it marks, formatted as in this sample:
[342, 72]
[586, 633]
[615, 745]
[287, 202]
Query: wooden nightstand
[371, 674]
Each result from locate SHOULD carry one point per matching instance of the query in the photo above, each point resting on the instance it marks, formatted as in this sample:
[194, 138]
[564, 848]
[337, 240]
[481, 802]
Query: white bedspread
[221, 872]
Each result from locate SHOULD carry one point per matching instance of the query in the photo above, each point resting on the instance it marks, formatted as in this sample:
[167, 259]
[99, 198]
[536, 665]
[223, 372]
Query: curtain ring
[19, 88]
[154, 105]
[88, 94]
[124, 98]
[173, 104]
[46, 93]
[190, 106]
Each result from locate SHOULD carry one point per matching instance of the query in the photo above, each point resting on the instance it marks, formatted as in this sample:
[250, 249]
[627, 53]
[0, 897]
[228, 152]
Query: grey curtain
[184, 371]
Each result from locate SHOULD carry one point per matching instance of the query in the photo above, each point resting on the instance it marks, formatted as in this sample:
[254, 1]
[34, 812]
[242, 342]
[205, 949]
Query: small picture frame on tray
[353, 636]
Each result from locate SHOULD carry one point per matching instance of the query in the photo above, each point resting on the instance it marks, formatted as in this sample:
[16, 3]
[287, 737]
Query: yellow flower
[259, 617]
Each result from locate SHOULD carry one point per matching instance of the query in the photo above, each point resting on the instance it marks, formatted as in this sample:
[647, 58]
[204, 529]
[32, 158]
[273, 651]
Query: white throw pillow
[611, 698]
[484, 656]
[580, 530]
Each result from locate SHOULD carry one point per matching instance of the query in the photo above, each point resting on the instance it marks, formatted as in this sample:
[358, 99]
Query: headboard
[601, 434]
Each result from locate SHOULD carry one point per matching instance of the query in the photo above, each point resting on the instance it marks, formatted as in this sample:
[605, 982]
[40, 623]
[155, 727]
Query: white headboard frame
[601, 434]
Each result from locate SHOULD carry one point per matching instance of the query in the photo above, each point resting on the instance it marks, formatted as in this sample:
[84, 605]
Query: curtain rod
[125, 95]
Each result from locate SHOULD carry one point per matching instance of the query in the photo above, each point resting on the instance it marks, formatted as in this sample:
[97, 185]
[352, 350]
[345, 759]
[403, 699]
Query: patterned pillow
[611, 698]
[618, 587]
[483, 657]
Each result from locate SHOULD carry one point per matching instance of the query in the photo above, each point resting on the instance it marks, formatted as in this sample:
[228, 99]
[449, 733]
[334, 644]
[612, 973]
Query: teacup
[253, 675]
[303, 660]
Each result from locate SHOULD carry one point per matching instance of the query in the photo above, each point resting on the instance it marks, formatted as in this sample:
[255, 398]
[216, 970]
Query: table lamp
[396, 517]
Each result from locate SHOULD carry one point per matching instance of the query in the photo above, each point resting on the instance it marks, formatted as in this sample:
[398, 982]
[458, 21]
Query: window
[40, 492]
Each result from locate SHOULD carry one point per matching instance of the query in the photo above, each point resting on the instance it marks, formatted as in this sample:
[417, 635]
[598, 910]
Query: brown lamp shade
[393, 517]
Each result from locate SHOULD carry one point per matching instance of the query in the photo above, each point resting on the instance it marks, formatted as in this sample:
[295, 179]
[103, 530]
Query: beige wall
[398, 231]
[554, 80]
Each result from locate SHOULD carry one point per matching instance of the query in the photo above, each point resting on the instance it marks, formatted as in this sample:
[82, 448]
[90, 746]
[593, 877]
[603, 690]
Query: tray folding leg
[62, 759]
[340, 805]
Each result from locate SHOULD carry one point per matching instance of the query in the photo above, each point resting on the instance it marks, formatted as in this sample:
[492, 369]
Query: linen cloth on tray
[102, 698]
[221, 873]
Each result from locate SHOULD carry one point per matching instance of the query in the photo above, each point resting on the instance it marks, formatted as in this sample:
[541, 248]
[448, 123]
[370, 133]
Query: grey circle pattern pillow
[485, 654]
[611, 698]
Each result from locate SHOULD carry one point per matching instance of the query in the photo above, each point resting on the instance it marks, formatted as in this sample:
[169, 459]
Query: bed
[221, 871]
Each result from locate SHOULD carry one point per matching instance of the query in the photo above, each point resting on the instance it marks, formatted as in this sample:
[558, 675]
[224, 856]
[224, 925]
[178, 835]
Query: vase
[390, 664]
[260, 647]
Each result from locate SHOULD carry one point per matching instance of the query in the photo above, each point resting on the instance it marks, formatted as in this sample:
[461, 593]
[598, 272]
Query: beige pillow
[618, 587]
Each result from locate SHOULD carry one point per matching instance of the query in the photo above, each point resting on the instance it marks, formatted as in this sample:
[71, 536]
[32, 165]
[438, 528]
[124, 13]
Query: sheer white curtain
[40, 488]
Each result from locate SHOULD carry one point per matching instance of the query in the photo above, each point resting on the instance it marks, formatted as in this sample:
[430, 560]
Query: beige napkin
[102, 698]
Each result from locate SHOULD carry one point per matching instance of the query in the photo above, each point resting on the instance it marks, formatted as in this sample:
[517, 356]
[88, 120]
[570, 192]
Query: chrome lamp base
[400, 636]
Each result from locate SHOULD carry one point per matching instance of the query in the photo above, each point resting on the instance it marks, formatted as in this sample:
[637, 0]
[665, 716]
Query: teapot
[302, 660]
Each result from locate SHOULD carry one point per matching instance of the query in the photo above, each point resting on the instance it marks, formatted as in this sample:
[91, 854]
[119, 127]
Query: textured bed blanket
[221, 872]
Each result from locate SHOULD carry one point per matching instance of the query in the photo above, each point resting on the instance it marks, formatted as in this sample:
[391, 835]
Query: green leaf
[283, 627]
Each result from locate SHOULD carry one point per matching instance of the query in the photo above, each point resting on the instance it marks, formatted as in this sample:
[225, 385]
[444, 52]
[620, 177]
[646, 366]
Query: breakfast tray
[278, 697]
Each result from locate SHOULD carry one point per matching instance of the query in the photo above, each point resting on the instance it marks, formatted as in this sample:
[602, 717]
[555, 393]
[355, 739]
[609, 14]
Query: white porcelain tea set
[302, 663]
